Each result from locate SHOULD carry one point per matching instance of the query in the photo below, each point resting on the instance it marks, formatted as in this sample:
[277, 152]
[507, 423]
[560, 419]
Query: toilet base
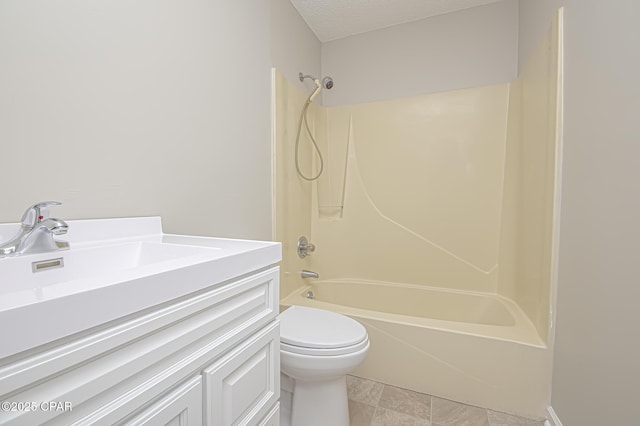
[320, 403]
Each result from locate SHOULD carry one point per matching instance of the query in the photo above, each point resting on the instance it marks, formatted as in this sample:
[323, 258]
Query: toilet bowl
[318, 349]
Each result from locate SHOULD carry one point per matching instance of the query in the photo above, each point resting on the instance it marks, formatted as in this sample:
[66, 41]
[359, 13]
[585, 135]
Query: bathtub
[476, 348]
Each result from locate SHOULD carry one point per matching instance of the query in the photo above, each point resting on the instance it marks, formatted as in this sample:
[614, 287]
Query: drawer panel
[242, 386]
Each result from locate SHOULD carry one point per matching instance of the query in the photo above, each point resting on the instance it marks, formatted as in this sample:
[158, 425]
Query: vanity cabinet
[210, 357]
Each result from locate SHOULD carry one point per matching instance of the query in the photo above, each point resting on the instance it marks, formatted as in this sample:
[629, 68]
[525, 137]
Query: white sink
[115, 267]
[88, 262]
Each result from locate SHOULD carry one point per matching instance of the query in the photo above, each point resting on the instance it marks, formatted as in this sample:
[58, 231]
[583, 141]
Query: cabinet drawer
[244, 385]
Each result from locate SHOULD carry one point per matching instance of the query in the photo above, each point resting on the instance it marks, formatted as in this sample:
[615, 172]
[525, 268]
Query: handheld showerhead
[316, 90]
[327, 83]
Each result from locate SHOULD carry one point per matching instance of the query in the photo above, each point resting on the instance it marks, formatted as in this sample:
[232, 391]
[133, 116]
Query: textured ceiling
[333, 19]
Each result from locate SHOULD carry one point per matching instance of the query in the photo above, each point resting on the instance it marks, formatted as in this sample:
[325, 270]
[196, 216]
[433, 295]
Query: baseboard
[552, 418]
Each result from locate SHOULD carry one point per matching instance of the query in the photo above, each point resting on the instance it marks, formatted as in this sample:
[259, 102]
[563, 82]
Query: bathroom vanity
[133, 326]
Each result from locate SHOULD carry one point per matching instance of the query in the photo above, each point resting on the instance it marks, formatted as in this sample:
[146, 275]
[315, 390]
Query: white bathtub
[471, 347]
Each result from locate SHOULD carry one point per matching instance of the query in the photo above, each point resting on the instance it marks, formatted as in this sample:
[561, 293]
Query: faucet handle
[37, 213]
[305, 247]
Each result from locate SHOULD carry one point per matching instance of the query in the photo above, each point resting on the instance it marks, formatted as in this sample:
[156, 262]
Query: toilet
[318, 348]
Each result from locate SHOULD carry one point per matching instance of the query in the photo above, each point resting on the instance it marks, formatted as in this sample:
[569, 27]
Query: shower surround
[449, 195]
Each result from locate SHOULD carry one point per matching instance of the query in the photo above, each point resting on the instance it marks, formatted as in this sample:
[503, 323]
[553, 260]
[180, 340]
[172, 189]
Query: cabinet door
[181, 407]
[244, 385]
[273, 418]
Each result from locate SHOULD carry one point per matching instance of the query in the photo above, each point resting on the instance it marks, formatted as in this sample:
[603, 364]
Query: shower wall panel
[531, 178]
[418, 185]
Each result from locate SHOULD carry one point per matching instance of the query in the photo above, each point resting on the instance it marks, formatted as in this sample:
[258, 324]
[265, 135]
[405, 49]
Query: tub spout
[309, 274]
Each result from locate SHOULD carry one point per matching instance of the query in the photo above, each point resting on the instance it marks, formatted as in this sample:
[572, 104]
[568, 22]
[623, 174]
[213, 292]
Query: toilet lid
[319, 329]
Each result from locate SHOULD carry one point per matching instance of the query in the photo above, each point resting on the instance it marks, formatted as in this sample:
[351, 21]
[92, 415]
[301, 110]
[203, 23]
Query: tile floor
[376, 404]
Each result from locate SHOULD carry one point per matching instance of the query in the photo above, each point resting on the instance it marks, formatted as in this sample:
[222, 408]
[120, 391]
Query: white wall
[121, 108]
[467, 48]
[596, 372]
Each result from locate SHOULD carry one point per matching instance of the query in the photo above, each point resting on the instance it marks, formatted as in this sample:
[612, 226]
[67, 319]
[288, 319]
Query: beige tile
[363, 390]
[406, 401]
[360, 414]
[502, 419]
[384, 417]
[450, 413]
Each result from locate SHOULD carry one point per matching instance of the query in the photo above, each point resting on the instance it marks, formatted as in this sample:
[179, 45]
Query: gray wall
[534, 21]
[468, 48]
[120, 108]
[596, 372]
[294, 47]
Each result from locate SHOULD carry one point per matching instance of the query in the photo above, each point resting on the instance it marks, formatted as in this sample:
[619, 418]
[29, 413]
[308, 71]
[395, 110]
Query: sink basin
[114, 267]
[85, 263]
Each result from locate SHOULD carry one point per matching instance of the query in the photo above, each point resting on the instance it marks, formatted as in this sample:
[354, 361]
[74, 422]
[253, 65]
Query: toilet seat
[301, 350]
[317, 332]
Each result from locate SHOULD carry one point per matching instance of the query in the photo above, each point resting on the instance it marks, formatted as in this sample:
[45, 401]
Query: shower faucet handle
[305, 247]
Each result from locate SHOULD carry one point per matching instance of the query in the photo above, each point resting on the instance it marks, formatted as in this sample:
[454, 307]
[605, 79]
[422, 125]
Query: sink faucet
[36, 232]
